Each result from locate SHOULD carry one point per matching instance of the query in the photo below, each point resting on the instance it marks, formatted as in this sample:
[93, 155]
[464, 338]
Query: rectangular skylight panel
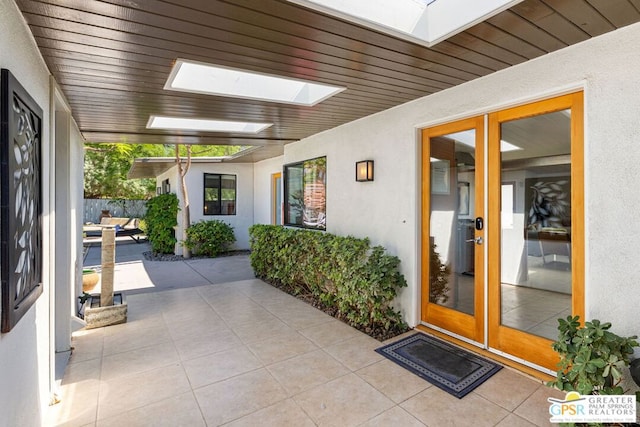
[425, 22]
[181, 123]
[223, 81]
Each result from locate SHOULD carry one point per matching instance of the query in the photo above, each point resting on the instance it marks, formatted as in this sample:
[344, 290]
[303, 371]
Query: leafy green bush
[360, 281]
[161, 217]
[592, 359]
[209, 238]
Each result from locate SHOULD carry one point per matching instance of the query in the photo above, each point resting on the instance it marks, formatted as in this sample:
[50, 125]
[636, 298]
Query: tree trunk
[186, 215]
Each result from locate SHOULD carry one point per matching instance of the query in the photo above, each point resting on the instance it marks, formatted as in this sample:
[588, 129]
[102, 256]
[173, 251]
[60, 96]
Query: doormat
[450, 368]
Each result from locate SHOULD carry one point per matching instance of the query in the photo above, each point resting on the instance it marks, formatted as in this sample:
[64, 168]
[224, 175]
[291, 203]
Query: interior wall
[25, 352]
[388, 210]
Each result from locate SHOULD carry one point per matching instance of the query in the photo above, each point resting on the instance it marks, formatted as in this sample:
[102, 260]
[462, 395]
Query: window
[219, 194]
[166, 187]
[305, 193]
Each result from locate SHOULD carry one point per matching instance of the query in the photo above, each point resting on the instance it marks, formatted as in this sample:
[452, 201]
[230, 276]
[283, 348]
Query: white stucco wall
[262, 188]
[243, 218]
[24, 352]
[387, 210]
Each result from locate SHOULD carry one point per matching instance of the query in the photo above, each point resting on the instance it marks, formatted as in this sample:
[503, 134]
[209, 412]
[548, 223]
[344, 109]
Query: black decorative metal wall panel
[20, 200]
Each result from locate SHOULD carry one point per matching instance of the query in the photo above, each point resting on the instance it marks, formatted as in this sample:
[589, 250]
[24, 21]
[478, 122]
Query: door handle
[478, 240]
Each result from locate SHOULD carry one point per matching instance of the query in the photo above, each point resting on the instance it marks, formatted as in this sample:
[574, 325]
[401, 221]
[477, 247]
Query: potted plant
[592, 359]
[90, 279]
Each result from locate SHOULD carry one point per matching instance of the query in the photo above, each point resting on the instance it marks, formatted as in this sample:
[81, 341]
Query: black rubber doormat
[450, 368]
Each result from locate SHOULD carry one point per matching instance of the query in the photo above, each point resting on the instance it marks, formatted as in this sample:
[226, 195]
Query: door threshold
[523, 369]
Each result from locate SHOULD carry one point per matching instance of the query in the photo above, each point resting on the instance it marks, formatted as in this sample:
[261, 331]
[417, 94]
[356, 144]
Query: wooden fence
[118, 208]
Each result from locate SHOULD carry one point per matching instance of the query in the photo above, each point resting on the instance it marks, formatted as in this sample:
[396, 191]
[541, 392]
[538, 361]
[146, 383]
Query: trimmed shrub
[209, 238]
[160, 220]
[346, 273]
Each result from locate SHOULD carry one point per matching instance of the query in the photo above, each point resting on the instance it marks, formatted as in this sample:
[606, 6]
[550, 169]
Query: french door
[532, 230]
[453, 228]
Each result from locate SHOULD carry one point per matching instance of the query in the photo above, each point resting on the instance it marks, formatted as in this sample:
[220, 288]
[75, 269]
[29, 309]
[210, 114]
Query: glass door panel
[535, 244]
[536, 234]
[452, 246]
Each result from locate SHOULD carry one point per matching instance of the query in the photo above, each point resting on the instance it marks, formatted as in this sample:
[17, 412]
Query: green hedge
[161, 217]
[346, 273]
[209, 238]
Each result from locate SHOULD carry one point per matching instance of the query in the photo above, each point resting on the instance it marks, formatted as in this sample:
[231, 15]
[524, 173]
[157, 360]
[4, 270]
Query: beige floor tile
[135, 391]
[178, 411]
[507, 388]
[536, 408]
[86, 346]
[136, 320]
[132, 339]
[345, 401]
[252, 332]
[281, 347]
[395, 416]
[179, 310]
[87, 372]
[195, 328]
[139, 360]
[330, 333]
[514, 421]
[306, 371]
[395, 382]
[220, 366]
[236, 397]
[78, 403]
[356, 353]
[285, 413]
[209, 343]
[301, 317]
[248, 315]
[435, 407]
[196, 312]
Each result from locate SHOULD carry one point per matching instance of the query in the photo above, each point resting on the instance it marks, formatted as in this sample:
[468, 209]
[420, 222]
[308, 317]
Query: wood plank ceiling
[112, 59]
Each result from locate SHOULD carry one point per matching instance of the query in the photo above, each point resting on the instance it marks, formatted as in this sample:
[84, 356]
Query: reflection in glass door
[535, 246]
[535, 158]
[452, 244]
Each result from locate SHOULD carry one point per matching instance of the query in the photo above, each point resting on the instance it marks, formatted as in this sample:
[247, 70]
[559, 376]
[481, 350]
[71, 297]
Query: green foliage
[360, 281]
[161, 217]
[209, 238]
[106, 167]
[592, 359]
[439, 278]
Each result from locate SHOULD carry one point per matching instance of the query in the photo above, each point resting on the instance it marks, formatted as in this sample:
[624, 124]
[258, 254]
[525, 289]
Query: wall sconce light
[364, 170]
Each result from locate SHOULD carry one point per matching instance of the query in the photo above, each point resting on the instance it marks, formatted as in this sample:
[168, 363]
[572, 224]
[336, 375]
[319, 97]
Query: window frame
[286, 217]
[205, 202]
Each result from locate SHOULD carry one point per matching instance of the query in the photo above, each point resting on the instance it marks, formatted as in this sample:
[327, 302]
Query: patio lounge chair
[123, 226]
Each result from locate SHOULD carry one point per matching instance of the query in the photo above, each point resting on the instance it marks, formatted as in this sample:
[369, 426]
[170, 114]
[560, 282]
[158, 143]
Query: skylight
[181, 123]
[425, 22]
[187, 76]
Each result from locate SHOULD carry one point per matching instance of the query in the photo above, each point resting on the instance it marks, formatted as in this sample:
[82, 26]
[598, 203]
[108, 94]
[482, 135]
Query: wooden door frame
[462, 324]
[503, 338]
[274, 192]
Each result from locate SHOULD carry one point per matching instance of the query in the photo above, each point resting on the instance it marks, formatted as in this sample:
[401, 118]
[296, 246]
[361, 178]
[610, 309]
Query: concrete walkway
[134, 274]
[207, 344]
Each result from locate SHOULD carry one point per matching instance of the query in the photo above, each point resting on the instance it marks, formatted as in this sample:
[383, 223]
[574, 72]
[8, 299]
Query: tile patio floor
[243, 353]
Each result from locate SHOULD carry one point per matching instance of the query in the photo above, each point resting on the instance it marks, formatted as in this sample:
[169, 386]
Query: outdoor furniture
[123, 226]
[554, 242]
